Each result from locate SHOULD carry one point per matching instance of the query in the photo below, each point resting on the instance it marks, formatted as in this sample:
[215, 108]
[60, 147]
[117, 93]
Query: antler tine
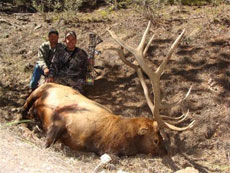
[174, 122]
[147, 46]
[165, 117]
[142, 43]
[122, 56]
[172, 127]
[177, 102]
[145, 88]
[171, 50]
[121, 42]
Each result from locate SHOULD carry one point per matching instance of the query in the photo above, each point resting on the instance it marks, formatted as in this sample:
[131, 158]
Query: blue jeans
[38, 71]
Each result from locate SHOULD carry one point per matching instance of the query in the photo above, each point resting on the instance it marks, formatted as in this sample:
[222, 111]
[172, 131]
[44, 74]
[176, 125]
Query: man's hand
[49, 79]
[46, 71]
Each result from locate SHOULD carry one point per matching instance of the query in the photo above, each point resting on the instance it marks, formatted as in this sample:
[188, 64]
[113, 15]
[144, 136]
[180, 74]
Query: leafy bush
[75, 5]
[63, 5]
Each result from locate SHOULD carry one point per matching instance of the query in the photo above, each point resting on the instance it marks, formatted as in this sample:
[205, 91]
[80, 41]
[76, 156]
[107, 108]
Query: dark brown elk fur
[85, 125]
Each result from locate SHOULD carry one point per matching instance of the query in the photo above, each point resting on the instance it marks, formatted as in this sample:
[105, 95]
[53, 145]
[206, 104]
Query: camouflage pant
[77, 84]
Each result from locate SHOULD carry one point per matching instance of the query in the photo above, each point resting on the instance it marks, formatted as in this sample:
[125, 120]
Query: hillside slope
[201, 60]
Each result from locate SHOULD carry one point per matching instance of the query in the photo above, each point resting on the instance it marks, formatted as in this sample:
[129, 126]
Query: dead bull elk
[85, 125]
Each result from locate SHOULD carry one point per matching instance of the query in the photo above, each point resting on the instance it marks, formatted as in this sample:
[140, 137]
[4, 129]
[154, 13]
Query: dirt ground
[202, 61]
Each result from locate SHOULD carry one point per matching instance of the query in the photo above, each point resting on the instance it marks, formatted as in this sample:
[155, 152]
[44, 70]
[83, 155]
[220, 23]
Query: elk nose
[156, 140]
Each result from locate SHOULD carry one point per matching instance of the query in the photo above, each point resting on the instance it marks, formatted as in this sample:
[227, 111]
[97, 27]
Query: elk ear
[142, 131]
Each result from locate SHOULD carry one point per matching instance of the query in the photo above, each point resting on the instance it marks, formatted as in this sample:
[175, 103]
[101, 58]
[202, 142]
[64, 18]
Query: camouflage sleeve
[43, 53]
[56, 63]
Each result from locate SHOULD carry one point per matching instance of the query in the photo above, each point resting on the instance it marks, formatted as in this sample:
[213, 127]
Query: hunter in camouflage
[69, 66]
[45, 54]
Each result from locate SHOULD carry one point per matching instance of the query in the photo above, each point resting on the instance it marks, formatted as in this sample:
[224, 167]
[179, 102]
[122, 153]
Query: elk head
[154, 76]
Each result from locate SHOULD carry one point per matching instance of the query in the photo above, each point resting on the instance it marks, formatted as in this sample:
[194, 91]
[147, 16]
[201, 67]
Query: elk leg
[55, 132]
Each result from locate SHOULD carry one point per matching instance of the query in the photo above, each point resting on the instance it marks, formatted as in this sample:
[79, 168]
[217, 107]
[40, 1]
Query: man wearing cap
[69, 67]
[45, 55]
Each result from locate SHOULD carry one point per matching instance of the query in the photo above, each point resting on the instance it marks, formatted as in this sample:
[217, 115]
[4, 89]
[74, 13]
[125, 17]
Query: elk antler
[154, 76]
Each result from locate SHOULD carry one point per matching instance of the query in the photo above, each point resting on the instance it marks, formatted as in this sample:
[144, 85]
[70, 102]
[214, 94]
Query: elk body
[85, 125]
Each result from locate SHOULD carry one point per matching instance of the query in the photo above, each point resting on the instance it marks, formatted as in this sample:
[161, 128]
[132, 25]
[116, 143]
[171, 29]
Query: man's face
[53, 39]
[70, 42]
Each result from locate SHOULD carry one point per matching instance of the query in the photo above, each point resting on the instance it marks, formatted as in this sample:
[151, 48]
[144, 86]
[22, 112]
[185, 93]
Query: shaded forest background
[84, 5]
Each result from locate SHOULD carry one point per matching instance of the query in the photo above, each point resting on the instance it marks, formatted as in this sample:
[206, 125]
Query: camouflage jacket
[71, 64]
[46, 53]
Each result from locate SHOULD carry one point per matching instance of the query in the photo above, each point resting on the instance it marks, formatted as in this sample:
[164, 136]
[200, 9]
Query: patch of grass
[76, 17]
[16, 122]
[67, 16]
[104, 13]
[222, 167]
[96, 16]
